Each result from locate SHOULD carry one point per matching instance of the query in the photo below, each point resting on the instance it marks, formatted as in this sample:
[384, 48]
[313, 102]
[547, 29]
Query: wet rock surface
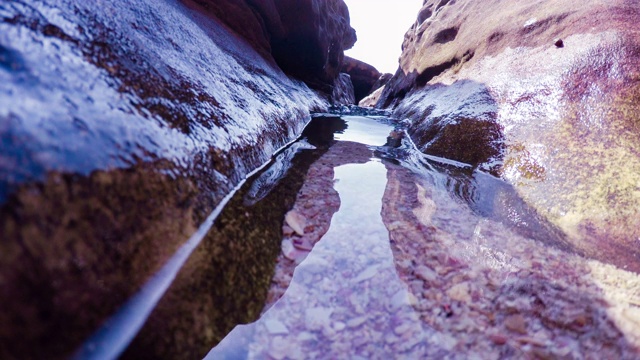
[403, 264]
[343, 91]
[125, 128]
[226, 279]
[123, 125]
[491, 84]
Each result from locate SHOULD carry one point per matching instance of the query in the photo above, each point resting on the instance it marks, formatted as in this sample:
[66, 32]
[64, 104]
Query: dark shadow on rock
[75, 247]
[402, 83]
[363, 76]
[459, 122]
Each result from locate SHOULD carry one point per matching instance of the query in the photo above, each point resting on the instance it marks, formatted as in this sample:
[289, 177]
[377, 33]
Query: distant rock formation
[543, 94]
[376, 91]
[363, 76]
[123, 124]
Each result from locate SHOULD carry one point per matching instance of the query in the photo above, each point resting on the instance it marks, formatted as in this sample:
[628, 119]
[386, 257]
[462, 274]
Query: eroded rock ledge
[543, 94]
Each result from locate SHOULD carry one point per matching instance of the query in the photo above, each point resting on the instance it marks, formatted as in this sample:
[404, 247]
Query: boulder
[123, 125]
[544, 94]
[306, 38]
[363, 76]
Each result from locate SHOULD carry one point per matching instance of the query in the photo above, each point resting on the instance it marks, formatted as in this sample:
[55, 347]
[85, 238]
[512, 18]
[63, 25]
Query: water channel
[353, 244]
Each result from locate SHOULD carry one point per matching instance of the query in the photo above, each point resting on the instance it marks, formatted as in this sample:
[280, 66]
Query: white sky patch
[381, 25]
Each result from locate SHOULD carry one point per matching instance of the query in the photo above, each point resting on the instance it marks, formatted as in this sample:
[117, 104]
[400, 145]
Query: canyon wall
[363, 76]
[123, 124]
[307, 38]
[545, 95]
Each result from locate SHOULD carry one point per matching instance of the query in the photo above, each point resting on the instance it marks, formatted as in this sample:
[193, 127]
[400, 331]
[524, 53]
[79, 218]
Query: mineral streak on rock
[490, 83]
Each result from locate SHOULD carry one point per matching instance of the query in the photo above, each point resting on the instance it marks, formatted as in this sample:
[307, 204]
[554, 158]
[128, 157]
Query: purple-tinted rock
[122, 126]
[343, 93]
[363, 76]
[488, 83]
[306, 38]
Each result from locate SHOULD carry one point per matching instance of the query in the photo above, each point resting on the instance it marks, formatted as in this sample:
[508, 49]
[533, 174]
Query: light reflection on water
[364, 131]
[347, 283]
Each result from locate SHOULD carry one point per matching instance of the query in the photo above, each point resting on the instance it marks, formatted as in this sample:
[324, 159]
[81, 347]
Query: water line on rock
[112, 339]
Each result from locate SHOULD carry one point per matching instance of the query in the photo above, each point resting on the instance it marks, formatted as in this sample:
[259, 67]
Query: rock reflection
[365, 131]
[345, 297]
[489, 291]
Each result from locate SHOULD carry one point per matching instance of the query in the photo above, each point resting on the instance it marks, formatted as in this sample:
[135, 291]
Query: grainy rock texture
[545, 94]
[363, 76]
[122, 126]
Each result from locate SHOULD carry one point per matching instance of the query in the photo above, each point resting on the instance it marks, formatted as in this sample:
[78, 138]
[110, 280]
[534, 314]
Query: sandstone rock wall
[544, 94]
[363, 76]
[377, 89]
[306, 38]
[122, 125]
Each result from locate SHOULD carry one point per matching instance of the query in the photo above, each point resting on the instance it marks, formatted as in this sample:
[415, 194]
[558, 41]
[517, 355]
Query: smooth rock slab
[485, 83]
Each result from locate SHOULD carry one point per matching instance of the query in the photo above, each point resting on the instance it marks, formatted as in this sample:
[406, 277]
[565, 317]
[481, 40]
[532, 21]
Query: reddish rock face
[546, 95]
[363, 76]
[306, 38]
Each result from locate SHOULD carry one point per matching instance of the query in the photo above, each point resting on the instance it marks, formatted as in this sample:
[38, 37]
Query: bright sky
[380, 26]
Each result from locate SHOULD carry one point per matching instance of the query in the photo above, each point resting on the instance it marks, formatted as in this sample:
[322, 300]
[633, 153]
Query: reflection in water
[269, 179]
[443, 266]
[365, 131]
[489, 197]
[351, 294]
[348, 283]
